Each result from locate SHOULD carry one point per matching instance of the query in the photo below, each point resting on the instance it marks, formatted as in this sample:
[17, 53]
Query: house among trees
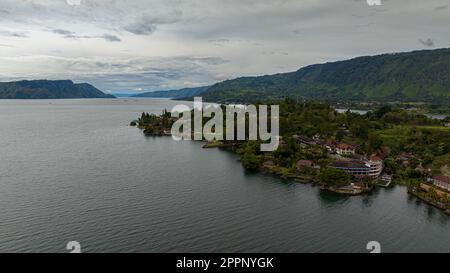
[345, 149]
[330, 145]
[442, 182]
[422, 170]
[405, 158]
[304, 141]
[302, 164]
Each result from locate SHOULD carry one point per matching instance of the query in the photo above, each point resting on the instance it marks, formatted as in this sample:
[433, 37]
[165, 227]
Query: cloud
[65, 33]
[444, 7]
[73, 2]
[428, 42]
[167, 43]
[119, 74]
[141, 28]
[147, 24]
[111, 38]
[72, 35]
[14, 34]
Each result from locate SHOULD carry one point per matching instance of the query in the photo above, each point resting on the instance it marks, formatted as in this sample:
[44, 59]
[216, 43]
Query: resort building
[371, 168]
[355, 168]
[442, 182]
[345, 149]
[375, 164]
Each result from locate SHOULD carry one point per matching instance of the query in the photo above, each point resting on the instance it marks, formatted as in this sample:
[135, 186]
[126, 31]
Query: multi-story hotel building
[369, 168]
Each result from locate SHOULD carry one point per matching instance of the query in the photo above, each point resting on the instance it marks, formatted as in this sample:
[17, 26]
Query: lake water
[73, 170]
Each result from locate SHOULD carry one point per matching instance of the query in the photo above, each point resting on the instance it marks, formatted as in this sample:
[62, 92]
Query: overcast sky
[146, 45]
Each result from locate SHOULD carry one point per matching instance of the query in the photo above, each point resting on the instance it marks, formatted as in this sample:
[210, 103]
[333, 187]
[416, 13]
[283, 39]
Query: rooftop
[349, 164]
[345, 146]
[376, 158]
[442, 178]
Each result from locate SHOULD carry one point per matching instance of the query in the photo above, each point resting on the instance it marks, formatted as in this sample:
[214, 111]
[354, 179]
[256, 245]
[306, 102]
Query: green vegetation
[431, 195]
[156, 125]
[44, 89]
[334, 178]
[442, 164]
[419, 76]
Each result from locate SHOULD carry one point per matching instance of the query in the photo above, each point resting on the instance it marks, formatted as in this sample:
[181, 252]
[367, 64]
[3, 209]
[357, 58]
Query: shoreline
[443, 208]
[296, 178]
[276, 172]
[340, 159]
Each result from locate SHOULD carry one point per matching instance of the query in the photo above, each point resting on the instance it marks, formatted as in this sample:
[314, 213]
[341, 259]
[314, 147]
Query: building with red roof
[345, 149]
[442, 182]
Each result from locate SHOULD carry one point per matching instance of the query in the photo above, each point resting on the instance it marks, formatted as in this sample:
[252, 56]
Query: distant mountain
[46, 89]
[418, 76]
[174, 94]
[123, 95]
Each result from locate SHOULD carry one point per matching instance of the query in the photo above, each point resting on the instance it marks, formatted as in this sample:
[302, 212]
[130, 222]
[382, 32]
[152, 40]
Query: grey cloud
[428, 42]
[147, 73]
[444, 7]
[307, 31]
[72, 35]
[14, 34]
[4, 45]
[65, 33]
[208, 60]
[148, 24]
[111, 38]
[141, 28]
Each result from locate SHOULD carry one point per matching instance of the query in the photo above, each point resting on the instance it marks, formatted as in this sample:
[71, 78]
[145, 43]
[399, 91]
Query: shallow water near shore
[73, 170]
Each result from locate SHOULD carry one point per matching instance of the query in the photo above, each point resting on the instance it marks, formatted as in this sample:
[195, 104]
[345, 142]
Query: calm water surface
[73, 170]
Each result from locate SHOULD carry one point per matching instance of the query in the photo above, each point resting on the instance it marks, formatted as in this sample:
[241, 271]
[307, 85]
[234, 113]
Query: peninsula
[346, 153]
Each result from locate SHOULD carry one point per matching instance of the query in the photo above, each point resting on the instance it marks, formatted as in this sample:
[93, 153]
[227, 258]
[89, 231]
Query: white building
[376, 166]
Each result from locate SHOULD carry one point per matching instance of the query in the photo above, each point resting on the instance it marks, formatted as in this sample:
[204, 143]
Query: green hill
[174, 94]
[45, 89]
[418, 76]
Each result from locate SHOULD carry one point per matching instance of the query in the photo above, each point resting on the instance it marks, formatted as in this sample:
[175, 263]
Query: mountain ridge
[416, 76]
[49, 89]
